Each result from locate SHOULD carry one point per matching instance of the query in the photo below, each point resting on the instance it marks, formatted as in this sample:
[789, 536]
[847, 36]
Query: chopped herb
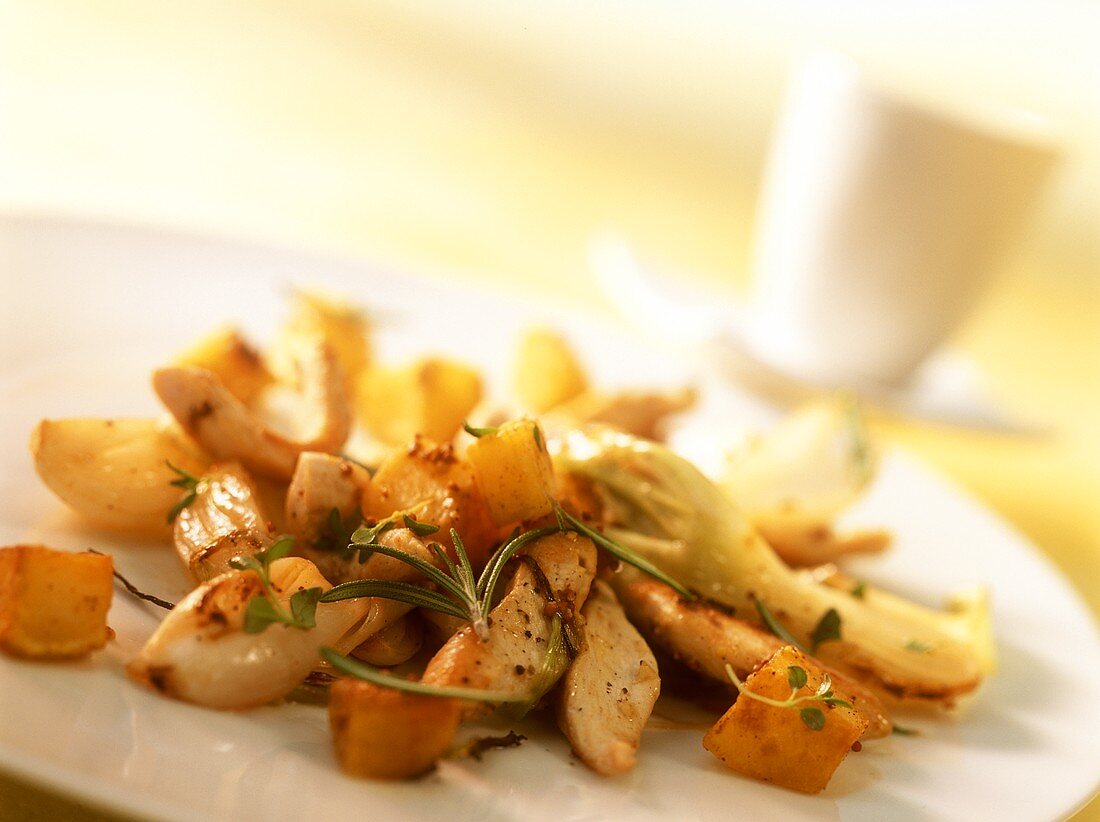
[335, 534]
[775, 626]
[859, 590]
[539, 444]
[358, 670]
[901, 731]
[813, 717]
[190, 485]
[919, 647]
[478, 432]
[826, 630]
[421, 529]
[264, 609]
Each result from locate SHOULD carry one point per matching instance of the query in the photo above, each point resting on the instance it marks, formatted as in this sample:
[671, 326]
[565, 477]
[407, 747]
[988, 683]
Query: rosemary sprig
[568, 522]
[264, 609]
[812, 717]
[190, 485]
[459, 594]
[358, 670]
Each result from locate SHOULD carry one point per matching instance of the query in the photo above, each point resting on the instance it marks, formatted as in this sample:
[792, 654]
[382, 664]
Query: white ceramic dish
[89, 309]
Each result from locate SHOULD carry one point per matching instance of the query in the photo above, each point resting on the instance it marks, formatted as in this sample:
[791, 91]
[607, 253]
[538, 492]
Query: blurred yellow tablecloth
[426, 142]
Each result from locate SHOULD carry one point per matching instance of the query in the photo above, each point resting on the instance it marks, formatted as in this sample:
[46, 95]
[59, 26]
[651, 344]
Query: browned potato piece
[547, 372]
[382, 733]
[434, 474]
[394, 644]
[513, 472]
[430, 397]
[773, 743]
[114, 472]
[53, 604]
[236, 363]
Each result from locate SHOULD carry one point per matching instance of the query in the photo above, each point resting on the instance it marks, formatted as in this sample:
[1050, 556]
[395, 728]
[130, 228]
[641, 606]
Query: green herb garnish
[189, 483]
[460, 595]
[264, 609]
[812, 717]
[918, 646]
[376, 677]
[775, 626]
[859, 590]
[335, 534]
[901, 731]
[478, 432]
[826, 630]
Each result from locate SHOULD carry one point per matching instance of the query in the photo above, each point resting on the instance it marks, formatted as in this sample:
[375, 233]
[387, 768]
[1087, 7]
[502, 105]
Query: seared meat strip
[520, 626]
[706, 640]
[608, 692]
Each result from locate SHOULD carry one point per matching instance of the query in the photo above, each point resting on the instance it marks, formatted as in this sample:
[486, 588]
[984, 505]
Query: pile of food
[423, 557]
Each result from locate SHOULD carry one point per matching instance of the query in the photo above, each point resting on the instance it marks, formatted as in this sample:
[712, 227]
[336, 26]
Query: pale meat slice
[608, 692]
[520, 626]
[707, 639]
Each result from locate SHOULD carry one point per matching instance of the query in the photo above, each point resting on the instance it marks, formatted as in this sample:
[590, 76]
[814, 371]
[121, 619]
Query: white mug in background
[880, 222]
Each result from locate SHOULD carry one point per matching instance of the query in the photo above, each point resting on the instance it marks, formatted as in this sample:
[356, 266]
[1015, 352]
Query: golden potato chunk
[513, 471]
[382, 733]
[440, 485]
[775, 744]
[431, 397]
[115, 472]
[53, 604]
[236, 363]
[547, 373]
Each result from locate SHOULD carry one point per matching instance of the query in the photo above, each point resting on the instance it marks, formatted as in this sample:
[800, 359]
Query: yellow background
[490, 141]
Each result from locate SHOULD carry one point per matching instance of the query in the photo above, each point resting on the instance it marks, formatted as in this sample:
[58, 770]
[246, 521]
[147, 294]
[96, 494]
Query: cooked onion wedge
[229, 429]
[115, 472]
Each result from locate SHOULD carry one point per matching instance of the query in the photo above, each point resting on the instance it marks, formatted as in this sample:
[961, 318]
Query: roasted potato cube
[115, 472]
[382, 733]
[236, 363]
[431, 397]
[53, 604]
[513, 471]
[547, 373]
[435, 475]
[773, 743]
[344, 327]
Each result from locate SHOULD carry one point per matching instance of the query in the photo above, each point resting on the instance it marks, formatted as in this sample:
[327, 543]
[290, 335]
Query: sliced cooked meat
[707, 639]
[554, 579]
[608, 692]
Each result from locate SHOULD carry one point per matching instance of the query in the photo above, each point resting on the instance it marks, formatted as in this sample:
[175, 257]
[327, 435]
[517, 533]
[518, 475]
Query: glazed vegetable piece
[641, 413]
[707, 640]
[114, 472]
[513, 471]
[382, 733]
[430, 397]
[219, 518]
[239, 366]
[394, 644]
[672, 514]
[795, 479]
[783, 728]
[53, 604]
[342, 326]
[210, 651]
[438, 486]
[608, 692]
[546, 373]
[230, 430]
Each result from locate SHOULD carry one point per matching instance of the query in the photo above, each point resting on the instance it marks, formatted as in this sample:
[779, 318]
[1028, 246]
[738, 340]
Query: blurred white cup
[879, 224]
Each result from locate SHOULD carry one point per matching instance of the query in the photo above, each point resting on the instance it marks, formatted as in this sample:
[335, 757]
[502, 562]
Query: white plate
[89, 309]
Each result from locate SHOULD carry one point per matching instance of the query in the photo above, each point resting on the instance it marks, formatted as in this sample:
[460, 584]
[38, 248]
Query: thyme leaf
[826, 630]
[264, 609]
[189, 483]
[475, 432]
[812, 716]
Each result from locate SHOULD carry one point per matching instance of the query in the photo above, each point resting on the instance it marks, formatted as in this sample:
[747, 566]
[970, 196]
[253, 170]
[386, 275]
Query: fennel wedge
[659, 504]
